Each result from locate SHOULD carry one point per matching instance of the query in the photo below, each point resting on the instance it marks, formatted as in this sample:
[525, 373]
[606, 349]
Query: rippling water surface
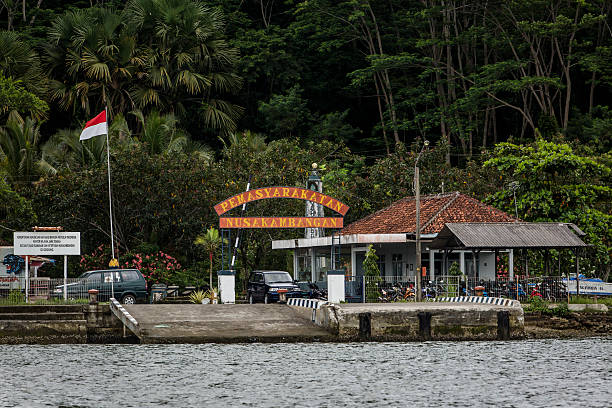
[538, 373]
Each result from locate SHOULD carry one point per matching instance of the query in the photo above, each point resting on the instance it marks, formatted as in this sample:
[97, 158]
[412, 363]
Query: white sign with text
[588, 287]
[47, 243]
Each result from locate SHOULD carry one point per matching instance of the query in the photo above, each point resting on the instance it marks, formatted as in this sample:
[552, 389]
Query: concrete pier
[421, 321]
[309, 321]
[192, 323]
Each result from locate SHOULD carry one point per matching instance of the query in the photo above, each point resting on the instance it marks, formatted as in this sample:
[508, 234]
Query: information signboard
[47, 243]
[590, 287]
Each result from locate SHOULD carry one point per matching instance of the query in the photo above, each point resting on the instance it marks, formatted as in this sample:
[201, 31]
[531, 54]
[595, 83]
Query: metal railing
[551, 288]
[49, 291]
[402, 288]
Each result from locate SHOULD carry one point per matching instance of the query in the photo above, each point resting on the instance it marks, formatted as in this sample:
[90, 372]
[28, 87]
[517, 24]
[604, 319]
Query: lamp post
[417, 194]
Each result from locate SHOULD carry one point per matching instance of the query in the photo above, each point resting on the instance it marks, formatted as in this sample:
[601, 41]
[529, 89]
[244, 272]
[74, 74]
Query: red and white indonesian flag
[96, 126]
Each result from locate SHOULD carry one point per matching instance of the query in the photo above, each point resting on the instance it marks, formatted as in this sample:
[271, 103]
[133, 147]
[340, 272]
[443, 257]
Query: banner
[281, 192]
[281, 222]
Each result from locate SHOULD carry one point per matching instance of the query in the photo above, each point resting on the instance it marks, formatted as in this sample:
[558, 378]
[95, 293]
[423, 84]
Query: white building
[391, 231]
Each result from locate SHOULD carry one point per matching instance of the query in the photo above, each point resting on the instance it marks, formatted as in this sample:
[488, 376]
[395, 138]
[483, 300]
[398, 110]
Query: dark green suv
[128, 285]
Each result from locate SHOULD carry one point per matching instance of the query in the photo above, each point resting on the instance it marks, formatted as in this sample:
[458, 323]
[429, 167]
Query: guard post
[227, 286]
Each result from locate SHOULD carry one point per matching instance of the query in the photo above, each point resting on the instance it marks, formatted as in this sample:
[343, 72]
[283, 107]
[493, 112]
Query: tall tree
[93, 62]
[557, 184]
[188, 61]
[19, 150]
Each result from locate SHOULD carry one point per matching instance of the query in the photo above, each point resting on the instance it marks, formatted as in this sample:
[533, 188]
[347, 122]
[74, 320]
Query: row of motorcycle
[547, 289]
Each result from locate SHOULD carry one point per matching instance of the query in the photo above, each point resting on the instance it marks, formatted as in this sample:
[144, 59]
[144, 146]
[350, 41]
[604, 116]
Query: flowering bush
[502, 268]
[98, 259]
[156, 267]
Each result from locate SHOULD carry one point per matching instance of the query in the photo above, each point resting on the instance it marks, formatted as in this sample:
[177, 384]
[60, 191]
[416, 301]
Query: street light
[417, 188]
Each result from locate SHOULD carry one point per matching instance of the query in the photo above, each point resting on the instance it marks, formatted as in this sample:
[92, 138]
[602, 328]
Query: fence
[402, 288]
[50, 291]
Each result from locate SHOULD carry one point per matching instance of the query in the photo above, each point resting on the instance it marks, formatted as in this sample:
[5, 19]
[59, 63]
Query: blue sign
[14, 264]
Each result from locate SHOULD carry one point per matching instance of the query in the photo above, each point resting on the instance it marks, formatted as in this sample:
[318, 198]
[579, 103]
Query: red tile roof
[436, 210]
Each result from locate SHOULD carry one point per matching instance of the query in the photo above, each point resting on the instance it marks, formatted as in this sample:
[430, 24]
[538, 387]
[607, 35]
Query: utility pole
[417, 188]
[514, 186]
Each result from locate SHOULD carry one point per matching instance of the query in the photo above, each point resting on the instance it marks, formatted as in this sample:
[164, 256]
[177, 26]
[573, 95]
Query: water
[542, 373]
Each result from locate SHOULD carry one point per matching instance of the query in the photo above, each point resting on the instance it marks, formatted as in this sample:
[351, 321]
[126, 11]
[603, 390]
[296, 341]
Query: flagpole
[110, 201]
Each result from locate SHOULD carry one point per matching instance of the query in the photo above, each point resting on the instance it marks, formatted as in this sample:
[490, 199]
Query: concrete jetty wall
[421, 321]
[50, 324]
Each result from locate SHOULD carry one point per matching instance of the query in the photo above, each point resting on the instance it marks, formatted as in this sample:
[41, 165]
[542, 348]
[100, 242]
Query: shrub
[156, 267]
[198, 296]
[454, 269]
[538, 305]
[193, 276]
[16, 297]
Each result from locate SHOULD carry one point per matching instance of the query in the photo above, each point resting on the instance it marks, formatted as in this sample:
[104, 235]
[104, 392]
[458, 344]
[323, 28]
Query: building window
[381, 265]
[304, 264]
[322, 265]
[397, 265]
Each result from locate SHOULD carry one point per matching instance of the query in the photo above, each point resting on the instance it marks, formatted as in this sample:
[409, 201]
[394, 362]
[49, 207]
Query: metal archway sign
[296, 193]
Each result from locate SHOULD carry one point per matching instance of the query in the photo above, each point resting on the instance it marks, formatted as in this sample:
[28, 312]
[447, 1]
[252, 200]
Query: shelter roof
[538, 235]
[436, 210]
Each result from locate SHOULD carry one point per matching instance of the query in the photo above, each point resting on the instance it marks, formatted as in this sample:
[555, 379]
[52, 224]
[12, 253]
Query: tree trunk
[592, 92]
[382, 116]
[210, 272]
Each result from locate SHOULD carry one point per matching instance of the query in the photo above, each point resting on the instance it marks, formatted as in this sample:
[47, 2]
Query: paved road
[191, 323]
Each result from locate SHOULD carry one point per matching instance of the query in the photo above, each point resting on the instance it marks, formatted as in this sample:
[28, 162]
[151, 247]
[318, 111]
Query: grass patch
[20, 301]
[537, 305]
[588, 300]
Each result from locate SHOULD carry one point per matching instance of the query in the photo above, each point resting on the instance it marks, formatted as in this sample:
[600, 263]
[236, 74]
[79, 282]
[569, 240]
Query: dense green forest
[514, 97]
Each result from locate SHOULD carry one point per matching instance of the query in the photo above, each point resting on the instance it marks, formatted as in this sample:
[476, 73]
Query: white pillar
[432, 265]
[335, 286]
[462, 262]
[312, 265]
[511, 264]
[353, 262]
[227, 286]
[65, 277]
[27, 280]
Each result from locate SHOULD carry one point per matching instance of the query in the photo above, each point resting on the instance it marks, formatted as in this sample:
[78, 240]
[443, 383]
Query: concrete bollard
[365, 326]
[425, 325]
[503, 325]
[93, 296]
[227, 286]
[335, 286]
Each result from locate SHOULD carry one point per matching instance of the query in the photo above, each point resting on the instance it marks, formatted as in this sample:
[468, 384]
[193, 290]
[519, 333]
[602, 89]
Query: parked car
[128, 284]
[264, 286]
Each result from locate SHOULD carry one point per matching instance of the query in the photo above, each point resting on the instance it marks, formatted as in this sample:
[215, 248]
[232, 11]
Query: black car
[267, 286]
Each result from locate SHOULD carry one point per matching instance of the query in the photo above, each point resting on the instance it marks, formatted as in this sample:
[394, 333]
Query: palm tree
[211, 241]
[93, 61]
[19, 61]
[188, 60]
[254, 142]
[19, 153]
[65, 150]
[161, 133]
